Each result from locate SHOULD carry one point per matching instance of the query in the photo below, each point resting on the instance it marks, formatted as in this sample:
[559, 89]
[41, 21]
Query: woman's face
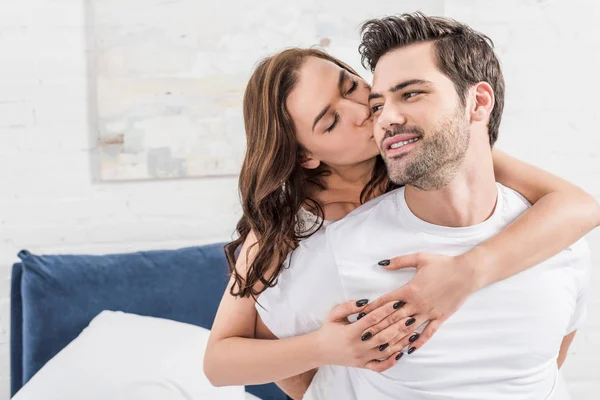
[330, 110]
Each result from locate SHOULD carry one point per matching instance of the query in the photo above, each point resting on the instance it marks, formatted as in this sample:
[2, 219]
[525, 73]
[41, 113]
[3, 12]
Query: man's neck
[469, 199]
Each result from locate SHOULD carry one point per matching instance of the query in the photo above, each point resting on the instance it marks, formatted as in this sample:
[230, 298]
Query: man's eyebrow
[374, 96]
[400, 86]
[404, 84]
[324, 111]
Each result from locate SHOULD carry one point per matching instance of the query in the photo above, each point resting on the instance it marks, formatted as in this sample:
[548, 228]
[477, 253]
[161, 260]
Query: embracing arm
[562, 214]
[234, 356]
[295, 386]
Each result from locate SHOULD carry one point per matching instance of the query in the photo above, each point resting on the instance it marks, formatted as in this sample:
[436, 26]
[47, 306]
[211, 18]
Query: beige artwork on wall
[169, 76]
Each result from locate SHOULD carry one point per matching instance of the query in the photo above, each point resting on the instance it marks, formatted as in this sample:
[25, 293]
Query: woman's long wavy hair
[272, 184]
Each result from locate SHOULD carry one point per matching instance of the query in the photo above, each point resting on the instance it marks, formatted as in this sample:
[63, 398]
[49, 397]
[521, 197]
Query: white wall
[548, 50]
[49, 204]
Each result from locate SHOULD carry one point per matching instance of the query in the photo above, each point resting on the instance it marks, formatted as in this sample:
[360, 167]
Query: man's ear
[308, 162]
[483, 102]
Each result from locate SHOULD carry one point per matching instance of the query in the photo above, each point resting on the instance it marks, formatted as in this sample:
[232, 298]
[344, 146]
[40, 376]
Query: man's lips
[401, 137]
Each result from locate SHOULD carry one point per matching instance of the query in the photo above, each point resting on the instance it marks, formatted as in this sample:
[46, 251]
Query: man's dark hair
[463, 54]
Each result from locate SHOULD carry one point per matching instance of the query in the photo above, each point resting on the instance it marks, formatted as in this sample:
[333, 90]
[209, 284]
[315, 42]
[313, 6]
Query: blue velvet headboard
[55, 297]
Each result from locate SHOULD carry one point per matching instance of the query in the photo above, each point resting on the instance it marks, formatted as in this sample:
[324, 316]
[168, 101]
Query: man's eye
[409, 95]
[376, 108]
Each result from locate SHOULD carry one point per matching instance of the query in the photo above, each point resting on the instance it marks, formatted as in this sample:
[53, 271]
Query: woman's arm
[236, 355]
[295, 386]
[562, 214]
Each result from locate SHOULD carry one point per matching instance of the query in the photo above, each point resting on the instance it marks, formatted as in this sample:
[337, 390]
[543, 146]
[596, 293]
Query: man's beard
[434, 161]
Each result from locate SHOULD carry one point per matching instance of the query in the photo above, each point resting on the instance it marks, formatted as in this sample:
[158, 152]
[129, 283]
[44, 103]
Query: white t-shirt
[501, 344]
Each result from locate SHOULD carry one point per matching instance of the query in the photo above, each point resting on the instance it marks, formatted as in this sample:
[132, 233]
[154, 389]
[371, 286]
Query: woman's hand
[355, 344]
[440, 286]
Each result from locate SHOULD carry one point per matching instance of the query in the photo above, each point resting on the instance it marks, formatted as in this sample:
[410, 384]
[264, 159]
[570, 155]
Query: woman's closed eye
[352, 88]
[336, 119]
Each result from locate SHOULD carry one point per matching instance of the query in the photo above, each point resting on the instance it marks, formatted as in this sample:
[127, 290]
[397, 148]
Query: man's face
[420, 125]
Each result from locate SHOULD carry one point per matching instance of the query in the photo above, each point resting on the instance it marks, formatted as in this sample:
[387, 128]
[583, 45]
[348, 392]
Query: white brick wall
[49, 204]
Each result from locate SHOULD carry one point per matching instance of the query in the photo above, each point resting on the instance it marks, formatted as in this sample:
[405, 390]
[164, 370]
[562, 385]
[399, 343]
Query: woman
[299, 173]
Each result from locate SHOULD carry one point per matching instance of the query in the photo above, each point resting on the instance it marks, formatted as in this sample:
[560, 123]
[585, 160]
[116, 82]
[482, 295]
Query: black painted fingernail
[399, 356]
[410, 321]
[411, 350]
[362, 303]
[366, 336]
[398, 304]
[413, 338]
[383, 347]
[383, 263]
[362, 314]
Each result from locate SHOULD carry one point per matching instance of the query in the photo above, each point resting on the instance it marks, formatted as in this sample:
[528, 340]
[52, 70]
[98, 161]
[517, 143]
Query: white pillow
[123, 356]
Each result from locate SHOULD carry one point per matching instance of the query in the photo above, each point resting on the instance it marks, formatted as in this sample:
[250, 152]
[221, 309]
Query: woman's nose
[361, 113]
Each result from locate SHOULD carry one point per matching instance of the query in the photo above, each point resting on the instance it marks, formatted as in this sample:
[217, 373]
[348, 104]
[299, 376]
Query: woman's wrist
[479, 266]
[318, 348]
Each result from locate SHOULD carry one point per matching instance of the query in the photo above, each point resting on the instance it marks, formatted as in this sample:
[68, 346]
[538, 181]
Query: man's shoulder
[578, 256]
[315, 256]
[306, 289]
[385, 200]
[317, 253]
[315, 242]
[311, 258]
[364, 212]
[513, 198]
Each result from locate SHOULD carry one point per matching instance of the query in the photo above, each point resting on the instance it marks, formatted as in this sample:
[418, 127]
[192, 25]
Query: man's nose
[390, 116]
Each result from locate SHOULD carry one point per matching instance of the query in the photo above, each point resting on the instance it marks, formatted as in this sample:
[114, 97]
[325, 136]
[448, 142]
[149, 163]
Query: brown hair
[272, 184]
[463, 54]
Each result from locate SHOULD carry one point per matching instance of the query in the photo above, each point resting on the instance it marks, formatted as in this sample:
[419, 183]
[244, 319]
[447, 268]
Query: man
[437, 101]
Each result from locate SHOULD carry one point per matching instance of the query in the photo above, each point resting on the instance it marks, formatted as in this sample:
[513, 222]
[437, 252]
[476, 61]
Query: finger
[424, 337]
[396, 338]
[406, 261]
[342, 311]
[389, 352]
[400, 342]
[374, 322]
[383, 365]
[406, 340]
[395, 296]
[401, 321]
